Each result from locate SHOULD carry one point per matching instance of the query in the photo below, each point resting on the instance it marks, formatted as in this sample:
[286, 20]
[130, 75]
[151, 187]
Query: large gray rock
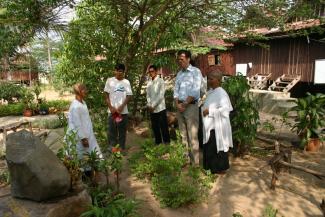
[36, 173]
[71, 206]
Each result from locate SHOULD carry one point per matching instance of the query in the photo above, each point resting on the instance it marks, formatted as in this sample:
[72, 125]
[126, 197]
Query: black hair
[120, 67]
[153, 67]
[187, 53]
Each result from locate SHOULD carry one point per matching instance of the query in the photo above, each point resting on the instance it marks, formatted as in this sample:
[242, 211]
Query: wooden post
[4, 138]
[30, 127]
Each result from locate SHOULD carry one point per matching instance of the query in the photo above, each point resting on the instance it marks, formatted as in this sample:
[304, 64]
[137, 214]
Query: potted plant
[309, 120]
[27, 99]
[43, 107]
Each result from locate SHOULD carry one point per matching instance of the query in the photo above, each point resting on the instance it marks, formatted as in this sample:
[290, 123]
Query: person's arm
[160, 95]
[76, 116]
[127, 98]
[108, 103]
[125, 102]
[195, 89]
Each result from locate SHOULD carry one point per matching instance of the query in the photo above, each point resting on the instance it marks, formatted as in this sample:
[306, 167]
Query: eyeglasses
[151, 71]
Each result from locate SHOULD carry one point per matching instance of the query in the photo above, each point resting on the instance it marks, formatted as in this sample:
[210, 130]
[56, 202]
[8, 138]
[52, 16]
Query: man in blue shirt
[186, 96]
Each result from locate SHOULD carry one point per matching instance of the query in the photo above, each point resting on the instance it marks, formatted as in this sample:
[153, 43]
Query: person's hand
[113, 110]
[120, 109]
[205, 112]
[85, 142]
[150, 109]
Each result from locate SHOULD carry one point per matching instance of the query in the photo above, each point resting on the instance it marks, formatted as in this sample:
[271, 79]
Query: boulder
[35, 171]
[73, 205]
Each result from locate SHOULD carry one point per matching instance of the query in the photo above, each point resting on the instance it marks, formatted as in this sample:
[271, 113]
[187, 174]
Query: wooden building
[285, 53]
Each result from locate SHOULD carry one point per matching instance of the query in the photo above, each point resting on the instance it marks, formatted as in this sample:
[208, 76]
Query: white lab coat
[219, 105]
[79, 121]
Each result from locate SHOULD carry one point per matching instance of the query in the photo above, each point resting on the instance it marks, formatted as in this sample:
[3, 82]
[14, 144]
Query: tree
[46, 51]
[20, 20]
[130, 31]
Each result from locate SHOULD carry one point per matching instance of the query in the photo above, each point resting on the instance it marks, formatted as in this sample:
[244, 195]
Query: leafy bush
[107, 203]
[10, 92]
[165, 165]
[244, 117]
[310, 117]
[58, 105]
[11, 109]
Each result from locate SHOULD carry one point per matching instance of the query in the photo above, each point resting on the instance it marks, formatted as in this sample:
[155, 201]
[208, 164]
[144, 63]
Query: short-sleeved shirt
[118, 90]
[188, 83]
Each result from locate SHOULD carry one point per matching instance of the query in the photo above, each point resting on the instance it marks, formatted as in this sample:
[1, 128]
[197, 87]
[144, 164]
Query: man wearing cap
[117, 95]
[186, 96]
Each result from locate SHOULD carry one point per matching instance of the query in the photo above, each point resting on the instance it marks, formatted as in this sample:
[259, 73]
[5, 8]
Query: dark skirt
[212, 159]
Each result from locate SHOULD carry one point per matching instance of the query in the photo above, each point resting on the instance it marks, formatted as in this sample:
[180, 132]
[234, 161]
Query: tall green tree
[130, 31]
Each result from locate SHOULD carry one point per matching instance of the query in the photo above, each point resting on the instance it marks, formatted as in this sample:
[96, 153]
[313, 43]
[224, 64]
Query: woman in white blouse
[217, 134]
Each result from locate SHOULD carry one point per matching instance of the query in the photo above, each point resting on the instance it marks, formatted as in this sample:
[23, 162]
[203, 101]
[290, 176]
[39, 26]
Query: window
[319, 75]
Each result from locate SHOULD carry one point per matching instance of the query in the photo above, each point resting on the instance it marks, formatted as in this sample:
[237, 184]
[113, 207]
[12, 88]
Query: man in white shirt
[156, 106]
[117, 95]
[186, 96]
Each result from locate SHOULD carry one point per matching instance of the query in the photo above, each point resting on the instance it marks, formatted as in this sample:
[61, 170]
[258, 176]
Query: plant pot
[43, 111]
[313, 145]
[28, 113]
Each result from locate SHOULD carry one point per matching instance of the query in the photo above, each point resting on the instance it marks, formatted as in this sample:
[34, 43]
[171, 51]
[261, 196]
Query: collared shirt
[156, 94]
[188, 83]
[118, 90]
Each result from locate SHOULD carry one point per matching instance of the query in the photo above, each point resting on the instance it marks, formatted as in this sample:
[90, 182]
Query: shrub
[11, 109]
[58, 105]
[10, 91]
[244, 117]
[107, 203]
[164, 165]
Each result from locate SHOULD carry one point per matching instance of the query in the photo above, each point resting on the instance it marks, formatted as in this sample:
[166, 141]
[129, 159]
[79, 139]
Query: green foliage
[11, 109]
[107, 203]
[244, 118]
[59, 105]
[20, 20]
[164, 165]
[119, 32]
[11, 92]
[4, 177]
[310, 118]
[69, 156]
[237, 214]
[28, 98]
[269, 211]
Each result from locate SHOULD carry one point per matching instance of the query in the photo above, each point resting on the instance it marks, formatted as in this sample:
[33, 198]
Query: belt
[193, 102]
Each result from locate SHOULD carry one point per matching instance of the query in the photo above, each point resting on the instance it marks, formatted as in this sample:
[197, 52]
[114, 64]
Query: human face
[213, 82]
[119, 74]
[83, 93]
[152, 73]
[183, 61]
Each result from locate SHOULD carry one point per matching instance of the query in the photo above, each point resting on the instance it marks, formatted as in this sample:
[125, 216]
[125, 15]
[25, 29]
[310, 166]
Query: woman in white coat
[79, 122]
[217, 135]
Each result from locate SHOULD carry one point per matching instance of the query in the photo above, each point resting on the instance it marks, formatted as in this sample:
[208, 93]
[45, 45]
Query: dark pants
[212, 159]
[200, 133]
[117, 132]
[160, 127]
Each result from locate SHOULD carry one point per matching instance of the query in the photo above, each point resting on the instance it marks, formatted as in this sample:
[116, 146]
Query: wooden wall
[293, 56]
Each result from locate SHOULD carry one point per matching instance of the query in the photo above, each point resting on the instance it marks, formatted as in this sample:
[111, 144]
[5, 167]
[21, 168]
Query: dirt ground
[244, 189]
